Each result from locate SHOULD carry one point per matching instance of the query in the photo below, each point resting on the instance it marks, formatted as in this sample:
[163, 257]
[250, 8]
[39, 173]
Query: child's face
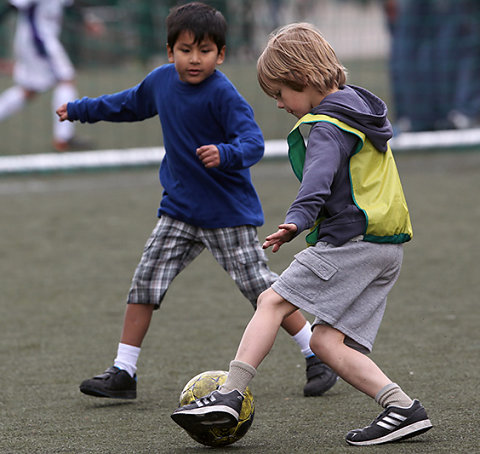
[194, 62]
[297, 103]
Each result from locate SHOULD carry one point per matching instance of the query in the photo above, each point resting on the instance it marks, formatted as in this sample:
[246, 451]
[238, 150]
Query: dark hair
[199, 19]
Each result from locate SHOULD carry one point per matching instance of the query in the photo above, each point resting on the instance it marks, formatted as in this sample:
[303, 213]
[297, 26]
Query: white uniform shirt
[40, 59]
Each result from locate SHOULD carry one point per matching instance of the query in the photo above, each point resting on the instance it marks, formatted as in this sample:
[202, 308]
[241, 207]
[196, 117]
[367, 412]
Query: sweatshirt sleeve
[326, 151]
[134, 104]
[245, 144]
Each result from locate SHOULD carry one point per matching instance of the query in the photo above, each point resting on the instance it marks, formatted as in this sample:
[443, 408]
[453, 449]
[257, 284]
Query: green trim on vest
[375, 185]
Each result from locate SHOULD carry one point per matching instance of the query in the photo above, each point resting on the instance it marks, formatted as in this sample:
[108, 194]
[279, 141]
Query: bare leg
[136, 322]
[294, 323]
[138, 317]
[351, 365]
[63, 132]
[260, 333]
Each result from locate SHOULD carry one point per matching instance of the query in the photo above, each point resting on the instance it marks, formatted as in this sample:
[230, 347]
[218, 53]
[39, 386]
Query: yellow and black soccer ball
[203, 384]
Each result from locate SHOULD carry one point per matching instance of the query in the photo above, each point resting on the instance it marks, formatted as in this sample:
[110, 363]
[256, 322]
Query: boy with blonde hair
[352, 201]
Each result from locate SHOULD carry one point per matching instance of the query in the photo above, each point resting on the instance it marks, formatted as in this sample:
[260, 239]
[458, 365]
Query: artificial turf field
[70, 243]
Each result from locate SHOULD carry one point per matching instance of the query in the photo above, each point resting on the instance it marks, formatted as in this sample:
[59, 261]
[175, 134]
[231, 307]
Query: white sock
[63, 93]
[302, 338]
[11, 101]
[127, 356]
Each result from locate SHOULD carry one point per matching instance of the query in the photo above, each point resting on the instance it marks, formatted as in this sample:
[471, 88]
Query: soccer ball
[203, 384]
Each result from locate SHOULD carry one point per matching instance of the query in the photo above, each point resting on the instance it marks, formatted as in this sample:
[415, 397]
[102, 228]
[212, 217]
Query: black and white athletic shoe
[393, 424]
[214, 410]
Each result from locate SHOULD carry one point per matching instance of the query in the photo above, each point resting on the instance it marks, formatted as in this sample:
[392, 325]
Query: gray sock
[239, 376]
[392, 395]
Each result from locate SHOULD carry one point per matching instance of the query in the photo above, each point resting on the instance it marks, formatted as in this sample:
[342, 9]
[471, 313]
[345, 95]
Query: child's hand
[62, 113]
[285, 233]
[209, 155]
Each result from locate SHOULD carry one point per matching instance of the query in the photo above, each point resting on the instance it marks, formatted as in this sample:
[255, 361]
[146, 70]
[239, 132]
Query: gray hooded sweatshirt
[325, 190]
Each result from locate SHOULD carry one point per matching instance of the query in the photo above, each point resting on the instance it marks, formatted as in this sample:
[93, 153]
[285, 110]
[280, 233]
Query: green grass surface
[70, 243]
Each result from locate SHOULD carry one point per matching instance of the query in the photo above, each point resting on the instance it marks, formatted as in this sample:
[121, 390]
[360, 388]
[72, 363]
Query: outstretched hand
[284, 234]
[62, 113]
[209, 155]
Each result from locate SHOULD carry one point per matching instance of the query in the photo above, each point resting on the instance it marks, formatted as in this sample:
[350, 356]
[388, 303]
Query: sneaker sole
[406, 432]
[198, 422]
[111, 394]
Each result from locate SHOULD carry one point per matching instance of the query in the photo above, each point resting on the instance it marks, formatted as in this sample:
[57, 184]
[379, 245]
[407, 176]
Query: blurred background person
[41, 63]
[434, 63]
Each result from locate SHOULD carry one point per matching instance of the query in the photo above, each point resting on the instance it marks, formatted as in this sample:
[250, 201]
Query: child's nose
[194, 57]
[280, 104]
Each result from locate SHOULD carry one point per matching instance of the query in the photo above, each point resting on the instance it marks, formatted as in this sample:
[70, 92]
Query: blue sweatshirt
[325, 190]
[212, 112]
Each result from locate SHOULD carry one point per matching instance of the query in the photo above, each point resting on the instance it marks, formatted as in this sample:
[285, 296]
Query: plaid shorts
[174, 244]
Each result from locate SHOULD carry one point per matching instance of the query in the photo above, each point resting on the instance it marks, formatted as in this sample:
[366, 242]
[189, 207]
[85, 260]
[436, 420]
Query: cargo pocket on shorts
[322, 268]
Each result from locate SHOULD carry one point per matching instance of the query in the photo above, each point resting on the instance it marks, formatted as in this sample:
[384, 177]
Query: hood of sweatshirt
[360, 109]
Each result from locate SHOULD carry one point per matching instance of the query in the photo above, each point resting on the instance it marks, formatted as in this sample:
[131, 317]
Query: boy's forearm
[241, 154]
[113, 108]
[85, 110]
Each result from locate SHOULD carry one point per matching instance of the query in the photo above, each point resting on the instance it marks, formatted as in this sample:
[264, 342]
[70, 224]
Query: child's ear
[221, 55]
[171, 58]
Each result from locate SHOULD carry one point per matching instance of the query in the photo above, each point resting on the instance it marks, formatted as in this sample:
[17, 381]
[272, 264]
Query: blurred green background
[134, 44]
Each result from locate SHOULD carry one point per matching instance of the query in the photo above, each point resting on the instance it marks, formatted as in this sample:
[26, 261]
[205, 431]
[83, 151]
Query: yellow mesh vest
[375, 185]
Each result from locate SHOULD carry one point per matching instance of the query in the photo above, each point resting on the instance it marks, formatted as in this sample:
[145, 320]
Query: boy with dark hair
[352, 200]
[211, 140]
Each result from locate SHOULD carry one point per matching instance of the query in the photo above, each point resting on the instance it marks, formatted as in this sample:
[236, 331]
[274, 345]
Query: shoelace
[381, 417]
[378, 418]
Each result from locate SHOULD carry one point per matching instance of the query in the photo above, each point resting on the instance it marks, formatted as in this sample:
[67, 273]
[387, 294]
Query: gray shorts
[174, 244]
[345, 287]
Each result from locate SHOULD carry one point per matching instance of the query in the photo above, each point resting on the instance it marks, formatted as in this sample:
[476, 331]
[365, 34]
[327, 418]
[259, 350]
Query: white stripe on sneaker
[391, 421]
[206, 410]
[205, 400]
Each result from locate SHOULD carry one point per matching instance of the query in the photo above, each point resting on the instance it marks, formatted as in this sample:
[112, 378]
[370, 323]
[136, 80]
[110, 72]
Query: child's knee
[264, 298]
[271, 301]
[325, 340]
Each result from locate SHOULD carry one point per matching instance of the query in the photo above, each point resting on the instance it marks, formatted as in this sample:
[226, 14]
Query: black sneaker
[214, 410]
[114, 382]
[394, 423]
[320, 378]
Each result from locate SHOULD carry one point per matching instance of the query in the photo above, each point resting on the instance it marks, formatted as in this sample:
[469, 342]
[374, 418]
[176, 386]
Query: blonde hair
[298, 55]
